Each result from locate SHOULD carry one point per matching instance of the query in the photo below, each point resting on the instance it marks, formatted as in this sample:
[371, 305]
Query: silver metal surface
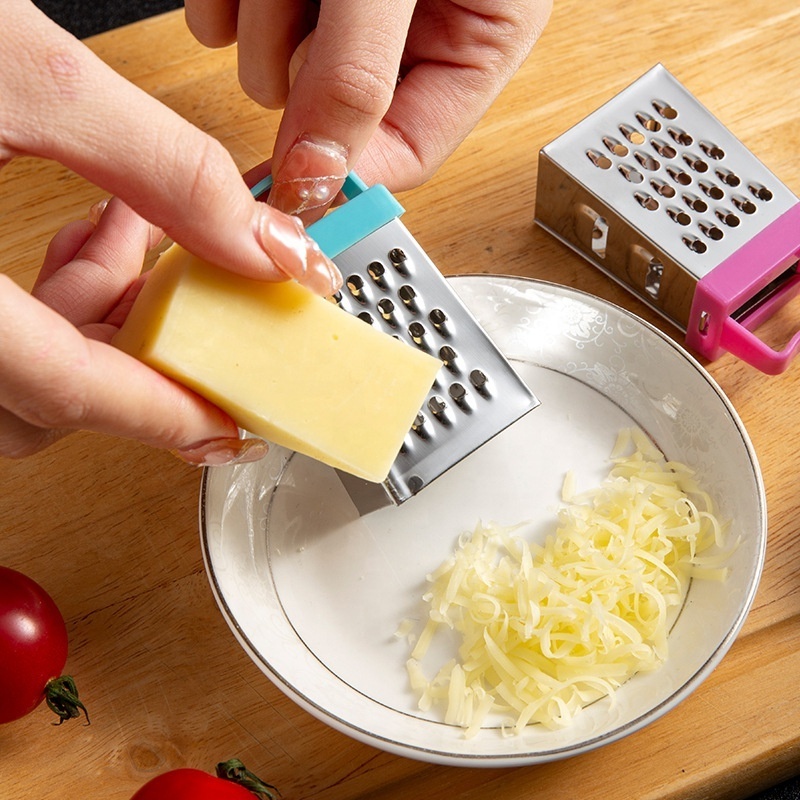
[392, 284]
[656, 192]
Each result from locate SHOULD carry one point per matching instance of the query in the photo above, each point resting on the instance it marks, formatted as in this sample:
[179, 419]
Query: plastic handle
[367, 209]
[712, 330]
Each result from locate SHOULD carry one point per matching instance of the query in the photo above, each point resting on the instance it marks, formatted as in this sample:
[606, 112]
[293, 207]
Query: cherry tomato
[33, 649]
[194, 784]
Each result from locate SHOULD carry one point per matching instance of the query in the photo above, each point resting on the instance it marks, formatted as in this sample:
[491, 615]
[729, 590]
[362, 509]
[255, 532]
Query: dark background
[87, 17]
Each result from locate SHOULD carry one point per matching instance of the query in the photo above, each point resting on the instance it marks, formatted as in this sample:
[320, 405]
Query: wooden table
[110, 527]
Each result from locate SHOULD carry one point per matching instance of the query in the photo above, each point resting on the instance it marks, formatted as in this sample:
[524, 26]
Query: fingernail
[310, 176]
[96, 211]
[295, 253]
[223, 452]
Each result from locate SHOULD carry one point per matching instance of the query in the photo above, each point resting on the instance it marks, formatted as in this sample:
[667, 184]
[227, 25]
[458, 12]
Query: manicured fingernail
[310, 175]
[295, 253]
[96, 211]
[223, 452]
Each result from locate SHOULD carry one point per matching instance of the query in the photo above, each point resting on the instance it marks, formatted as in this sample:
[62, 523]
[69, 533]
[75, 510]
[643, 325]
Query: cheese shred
[546, 629]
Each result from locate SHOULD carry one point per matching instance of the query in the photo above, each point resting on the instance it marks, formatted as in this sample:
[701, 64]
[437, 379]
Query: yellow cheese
[286, 364]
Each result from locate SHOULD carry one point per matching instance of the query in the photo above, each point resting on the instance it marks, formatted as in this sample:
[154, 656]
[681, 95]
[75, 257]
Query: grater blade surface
[391, 283]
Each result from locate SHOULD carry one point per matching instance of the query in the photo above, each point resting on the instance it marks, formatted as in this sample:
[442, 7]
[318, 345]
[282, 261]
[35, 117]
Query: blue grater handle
[366, 210]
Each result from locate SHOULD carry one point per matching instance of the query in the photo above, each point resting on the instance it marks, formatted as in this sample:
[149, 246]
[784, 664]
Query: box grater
[390, 283]
[655, 192]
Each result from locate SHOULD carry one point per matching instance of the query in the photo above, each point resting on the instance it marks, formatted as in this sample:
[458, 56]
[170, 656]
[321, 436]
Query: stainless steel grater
[391, 283]
[654, 191]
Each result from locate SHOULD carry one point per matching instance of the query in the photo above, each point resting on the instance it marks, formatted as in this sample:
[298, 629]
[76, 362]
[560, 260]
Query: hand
[60, 101]
[389, 88]
[57, 370]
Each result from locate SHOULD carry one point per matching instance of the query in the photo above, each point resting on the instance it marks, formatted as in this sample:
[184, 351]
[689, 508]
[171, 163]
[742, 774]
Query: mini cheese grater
[391, 283]
[659, 195]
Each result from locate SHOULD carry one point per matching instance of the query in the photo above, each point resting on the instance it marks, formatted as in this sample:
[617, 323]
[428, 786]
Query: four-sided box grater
[654, 191]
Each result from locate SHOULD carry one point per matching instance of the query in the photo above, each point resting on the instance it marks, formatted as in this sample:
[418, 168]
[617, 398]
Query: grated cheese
[545, 630]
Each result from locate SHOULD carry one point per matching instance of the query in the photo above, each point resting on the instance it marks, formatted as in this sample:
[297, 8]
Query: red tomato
[194, 784]
[33, 644]
[191, 784]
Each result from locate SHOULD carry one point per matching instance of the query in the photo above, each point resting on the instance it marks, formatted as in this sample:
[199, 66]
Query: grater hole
[459, 396]
[680, 136]
[711, 230]
[365, 316]
[386, 309]
[695, 203]
[727, 177]
[695, 162]
[647, 161]
[420, 426]
[664, 149]
[727, 217]
[652, 279]
[631, 174]
[631, 134]
[663, 188]
[448, 357]
[760, 192]
[355, 285]
[376, 271]
[679, 175]
[665, 109]
[712, 190]
[479, 380]
[712, 150]
[598, 159]
[417, 333]
[399, 260]
[646, 201]
[744, 204]
[647, 122]
[679, 215]
[438, 407]
[415, 484]
[694, 244]
[336, 297]
[439, 320]
[407, 296]
[615, 146]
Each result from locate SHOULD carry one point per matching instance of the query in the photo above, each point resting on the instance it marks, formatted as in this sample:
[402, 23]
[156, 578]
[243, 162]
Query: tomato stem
[61, 695]
[235, 771]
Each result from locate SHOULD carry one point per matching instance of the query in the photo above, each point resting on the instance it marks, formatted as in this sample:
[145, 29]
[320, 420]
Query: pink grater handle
[712, 330]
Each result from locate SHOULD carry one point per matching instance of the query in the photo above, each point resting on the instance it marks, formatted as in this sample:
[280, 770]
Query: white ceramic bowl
[315, 593]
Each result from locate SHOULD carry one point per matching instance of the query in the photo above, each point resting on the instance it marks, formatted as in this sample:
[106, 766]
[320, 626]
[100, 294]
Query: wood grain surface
[109, 527]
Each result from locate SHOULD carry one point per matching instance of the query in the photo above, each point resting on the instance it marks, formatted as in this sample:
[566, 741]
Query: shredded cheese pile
[545, 630]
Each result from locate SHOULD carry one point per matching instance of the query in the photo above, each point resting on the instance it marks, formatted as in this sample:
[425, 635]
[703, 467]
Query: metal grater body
[654, 191]
[392, 284]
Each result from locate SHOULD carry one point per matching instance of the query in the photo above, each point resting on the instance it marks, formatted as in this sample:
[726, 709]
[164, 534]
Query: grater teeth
[392, 284]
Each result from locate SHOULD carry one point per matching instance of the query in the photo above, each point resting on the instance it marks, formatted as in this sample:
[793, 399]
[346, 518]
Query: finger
[63, 247]
[55, 378]
[337, 99]
[91, 282]
[19, 439]
[212, 22]
[170, 172]
[449, 82]
[268, 35]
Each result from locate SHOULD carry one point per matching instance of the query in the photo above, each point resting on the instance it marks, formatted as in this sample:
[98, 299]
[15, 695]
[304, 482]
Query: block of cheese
[286, 364]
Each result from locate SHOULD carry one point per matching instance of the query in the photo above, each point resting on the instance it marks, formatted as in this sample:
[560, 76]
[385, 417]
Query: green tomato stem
[235, 771]
[61, 695]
